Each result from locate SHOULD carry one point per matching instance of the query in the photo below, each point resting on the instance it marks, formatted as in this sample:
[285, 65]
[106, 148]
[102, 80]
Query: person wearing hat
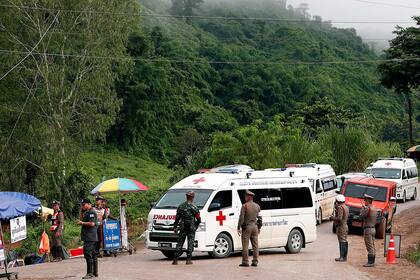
[341, 215]
[100, 212]
[249, 226]
[89, 222]
[56, 228]
[186, 222]
[368, 214]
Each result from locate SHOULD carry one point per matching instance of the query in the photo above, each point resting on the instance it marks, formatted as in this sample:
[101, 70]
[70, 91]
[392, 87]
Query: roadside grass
[103, 164]
[414, 255]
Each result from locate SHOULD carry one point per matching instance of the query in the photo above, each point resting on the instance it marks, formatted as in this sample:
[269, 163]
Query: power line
[29, 53]
[204, 16]
[219, 38]
[258, 62]
[30, 90]
[387, 4]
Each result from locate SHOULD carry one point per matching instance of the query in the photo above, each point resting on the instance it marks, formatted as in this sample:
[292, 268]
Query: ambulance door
[280, 218]
[319, 194]
[221, 216]
[262, 198]
[329, 186]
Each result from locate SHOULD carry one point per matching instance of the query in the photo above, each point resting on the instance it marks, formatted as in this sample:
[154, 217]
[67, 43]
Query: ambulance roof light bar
[392, 158]
[301, 165]
[232, 169]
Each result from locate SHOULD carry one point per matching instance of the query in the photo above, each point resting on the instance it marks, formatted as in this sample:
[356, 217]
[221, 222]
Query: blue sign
[112, 235]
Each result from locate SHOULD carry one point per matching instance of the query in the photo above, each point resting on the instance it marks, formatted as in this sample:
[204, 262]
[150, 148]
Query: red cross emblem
[221, 218]
[199, 180]
[387, 163]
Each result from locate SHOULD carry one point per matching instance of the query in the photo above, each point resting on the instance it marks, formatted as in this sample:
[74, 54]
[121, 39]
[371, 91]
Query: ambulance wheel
[294, 242]
[414, 194]
[319, 216]
[169, 254]
[334, 229]
[223, 246]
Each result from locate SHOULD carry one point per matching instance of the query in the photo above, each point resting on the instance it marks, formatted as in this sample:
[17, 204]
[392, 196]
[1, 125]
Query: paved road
[314, 262]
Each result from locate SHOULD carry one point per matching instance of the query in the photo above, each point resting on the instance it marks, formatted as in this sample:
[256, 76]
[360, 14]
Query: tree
[62, 95]
[403, 73]
[185, 8]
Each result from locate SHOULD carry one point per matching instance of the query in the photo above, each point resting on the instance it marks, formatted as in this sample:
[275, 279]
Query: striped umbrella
[414, 149]
[120, 185]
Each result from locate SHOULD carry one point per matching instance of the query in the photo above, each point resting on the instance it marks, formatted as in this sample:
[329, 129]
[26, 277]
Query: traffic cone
[390, 257]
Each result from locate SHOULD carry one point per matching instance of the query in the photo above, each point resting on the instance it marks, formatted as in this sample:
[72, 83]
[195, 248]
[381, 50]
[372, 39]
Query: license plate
[165, 245]
[356, 224]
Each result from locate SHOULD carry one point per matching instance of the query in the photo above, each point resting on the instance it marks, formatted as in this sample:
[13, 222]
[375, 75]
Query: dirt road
[314, 262]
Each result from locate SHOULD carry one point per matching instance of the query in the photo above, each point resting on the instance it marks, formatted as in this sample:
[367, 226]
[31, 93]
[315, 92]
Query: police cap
[190, 194]
[248, 192]
[55, 202]
[98, 197]
[86, 201]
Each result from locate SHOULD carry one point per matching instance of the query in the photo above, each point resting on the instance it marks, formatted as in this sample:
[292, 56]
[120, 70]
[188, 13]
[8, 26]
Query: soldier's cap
[55, 202]
[190, 194]
[248, 192]
[366, 196]
[86, 201]
[98, 197]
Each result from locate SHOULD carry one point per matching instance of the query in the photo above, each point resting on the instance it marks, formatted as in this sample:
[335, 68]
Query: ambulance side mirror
[152, 205]
[214, 207]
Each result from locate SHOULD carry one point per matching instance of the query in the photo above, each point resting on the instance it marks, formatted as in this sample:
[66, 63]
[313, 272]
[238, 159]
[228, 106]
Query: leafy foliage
[403, 73]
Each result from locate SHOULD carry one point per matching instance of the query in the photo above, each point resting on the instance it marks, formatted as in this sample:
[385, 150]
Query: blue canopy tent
[12, 205]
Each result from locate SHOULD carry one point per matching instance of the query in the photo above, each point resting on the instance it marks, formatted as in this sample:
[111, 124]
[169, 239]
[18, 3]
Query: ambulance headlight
[399, 187]
[201, 226]
[149, 225]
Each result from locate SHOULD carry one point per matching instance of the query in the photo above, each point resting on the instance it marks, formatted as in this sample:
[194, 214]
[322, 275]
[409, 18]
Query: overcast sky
[364, 10]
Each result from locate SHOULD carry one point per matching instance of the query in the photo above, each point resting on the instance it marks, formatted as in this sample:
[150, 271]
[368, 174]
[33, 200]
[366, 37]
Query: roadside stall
[14, 207]
[116, 232]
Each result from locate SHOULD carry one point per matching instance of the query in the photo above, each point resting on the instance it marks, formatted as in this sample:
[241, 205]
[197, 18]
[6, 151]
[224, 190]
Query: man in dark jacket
[89, 222]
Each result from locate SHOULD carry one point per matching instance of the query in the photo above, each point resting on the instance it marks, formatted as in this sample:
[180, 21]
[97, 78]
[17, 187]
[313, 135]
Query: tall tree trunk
[410, 117]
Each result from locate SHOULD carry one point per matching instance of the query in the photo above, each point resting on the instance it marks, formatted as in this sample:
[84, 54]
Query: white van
[287, 210]
[403, 171]
[324, 184]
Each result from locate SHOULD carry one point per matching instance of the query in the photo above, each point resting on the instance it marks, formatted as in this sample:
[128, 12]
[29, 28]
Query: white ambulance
[287, 210]
[402, 171]
[324, 185]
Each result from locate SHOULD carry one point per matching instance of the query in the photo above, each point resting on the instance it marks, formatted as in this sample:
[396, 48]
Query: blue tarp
[14, 204]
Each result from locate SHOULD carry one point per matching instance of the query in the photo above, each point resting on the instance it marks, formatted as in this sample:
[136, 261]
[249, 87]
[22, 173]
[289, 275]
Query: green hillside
[186, 80]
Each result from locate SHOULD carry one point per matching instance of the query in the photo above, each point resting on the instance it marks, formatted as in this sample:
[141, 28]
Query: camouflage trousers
[190, 236]
[369, 236]
[342, 231]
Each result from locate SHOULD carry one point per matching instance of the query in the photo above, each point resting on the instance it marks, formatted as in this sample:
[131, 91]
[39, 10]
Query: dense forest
[218, 82]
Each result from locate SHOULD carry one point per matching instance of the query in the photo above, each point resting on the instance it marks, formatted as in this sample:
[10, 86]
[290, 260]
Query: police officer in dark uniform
[89, 222]
[187, 220]
[341, 215]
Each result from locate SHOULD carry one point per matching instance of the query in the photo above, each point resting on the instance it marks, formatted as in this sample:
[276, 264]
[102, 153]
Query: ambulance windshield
[386, 173]
[173, 198]
[358, 191]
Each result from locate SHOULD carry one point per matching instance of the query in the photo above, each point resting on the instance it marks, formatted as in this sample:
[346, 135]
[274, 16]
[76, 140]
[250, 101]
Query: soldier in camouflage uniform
[369, 214]
[340, 223]
[187, 221]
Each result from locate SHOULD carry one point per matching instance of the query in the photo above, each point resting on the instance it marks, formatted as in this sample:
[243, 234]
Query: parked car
[383, 193]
